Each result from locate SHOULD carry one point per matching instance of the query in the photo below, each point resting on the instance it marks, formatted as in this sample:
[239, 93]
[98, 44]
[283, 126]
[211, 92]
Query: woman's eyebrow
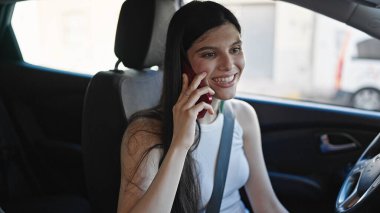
[205, 48]
[238, 42]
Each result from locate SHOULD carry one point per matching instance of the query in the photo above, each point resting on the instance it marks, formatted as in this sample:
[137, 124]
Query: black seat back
[112, 96]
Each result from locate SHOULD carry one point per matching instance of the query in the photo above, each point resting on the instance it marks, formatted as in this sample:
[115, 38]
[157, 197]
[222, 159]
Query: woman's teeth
[225, 79]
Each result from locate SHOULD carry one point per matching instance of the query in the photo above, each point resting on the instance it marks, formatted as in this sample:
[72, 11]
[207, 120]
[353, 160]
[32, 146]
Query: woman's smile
[225, 81]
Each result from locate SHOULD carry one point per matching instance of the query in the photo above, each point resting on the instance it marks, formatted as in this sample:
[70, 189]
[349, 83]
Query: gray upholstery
[140, 90]
[112, 96]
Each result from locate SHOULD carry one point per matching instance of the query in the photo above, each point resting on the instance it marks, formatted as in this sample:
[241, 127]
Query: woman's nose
[225, 63]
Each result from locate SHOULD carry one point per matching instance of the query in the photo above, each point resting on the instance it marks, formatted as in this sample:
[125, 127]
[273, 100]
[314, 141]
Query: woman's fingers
[190, 94]
[201, 106]
[196, 82]
[189, 87]
[195, 96]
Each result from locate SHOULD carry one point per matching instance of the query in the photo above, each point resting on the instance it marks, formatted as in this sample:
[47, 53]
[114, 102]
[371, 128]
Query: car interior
[60, 132]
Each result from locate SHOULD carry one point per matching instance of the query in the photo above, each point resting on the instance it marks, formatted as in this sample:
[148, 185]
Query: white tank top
[238, 171]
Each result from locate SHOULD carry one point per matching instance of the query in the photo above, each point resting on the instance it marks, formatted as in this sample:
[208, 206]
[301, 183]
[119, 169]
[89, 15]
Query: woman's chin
[225, 95]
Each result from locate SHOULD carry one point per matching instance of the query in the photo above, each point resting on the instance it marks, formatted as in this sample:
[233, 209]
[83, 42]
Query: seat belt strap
[223, 159]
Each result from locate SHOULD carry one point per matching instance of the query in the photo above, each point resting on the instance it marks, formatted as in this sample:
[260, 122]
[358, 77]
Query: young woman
[168, 154]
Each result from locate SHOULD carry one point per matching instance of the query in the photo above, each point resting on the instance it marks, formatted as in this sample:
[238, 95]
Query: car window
[291, 52]
[294, 53]
[69, 35]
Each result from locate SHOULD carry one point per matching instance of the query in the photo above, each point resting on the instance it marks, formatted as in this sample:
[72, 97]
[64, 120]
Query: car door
[45, 106]
[309, 148]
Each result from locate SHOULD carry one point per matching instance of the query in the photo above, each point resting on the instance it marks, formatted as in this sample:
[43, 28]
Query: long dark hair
[188, 23]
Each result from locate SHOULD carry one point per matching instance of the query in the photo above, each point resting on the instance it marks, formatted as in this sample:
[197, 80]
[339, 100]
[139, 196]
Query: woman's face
[218, 52]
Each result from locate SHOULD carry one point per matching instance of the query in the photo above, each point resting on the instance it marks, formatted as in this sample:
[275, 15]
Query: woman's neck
[209, 118]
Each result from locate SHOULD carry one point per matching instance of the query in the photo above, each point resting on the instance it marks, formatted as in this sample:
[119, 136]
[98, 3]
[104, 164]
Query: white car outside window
[358, 81]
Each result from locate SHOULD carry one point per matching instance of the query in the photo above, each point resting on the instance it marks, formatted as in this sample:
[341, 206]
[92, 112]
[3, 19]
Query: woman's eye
[236, 50]
[208, 55]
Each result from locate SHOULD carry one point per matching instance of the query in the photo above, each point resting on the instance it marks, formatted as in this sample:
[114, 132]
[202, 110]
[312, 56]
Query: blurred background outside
[290, 52]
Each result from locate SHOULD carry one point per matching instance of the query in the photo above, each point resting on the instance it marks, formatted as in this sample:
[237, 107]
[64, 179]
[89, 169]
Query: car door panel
[304, 175]
[46, 106]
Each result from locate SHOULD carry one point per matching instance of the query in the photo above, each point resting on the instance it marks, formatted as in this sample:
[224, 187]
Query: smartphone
[207, 98]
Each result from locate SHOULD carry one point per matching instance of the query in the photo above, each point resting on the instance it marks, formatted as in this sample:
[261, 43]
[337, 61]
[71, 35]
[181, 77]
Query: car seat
[112, 96]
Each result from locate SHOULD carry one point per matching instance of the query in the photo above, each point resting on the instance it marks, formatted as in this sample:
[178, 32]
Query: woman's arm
[258, 186]
[146, 187]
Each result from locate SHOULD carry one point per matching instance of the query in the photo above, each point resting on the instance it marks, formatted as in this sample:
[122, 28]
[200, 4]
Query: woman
[168, 154]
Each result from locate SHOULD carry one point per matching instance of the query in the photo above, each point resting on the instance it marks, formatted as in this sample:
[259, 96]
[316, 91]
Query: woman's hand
[185, 111]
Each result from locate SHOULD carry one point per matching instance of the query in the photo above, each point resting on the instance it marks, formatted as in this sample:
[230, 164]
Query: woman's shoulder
[144, 132]
[244, 112]
[241, 108]
[144, 123]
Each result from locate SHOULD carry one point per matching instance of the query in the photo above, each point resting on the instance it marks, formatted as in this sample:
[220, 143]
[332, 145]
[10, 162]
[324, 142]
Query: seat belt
[223, 160]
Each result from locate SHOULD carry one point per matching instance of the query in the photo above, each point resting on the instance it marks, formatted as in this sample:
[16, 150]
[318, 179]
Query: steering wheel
[362, 180]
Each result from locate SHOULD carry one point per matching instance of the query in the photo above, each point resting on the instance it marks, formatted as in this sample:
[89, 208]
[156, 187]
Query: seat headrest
[141, 32]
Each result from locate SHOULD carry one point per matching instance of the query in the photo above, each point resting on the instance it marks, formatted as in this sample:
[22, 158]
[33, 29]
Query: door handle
[337, 142]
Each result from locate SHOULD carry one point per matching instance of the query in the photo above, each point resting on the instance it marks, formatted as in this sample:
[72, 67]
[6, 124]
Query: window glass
[294, 53]
[290, 52]
[70, 35]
